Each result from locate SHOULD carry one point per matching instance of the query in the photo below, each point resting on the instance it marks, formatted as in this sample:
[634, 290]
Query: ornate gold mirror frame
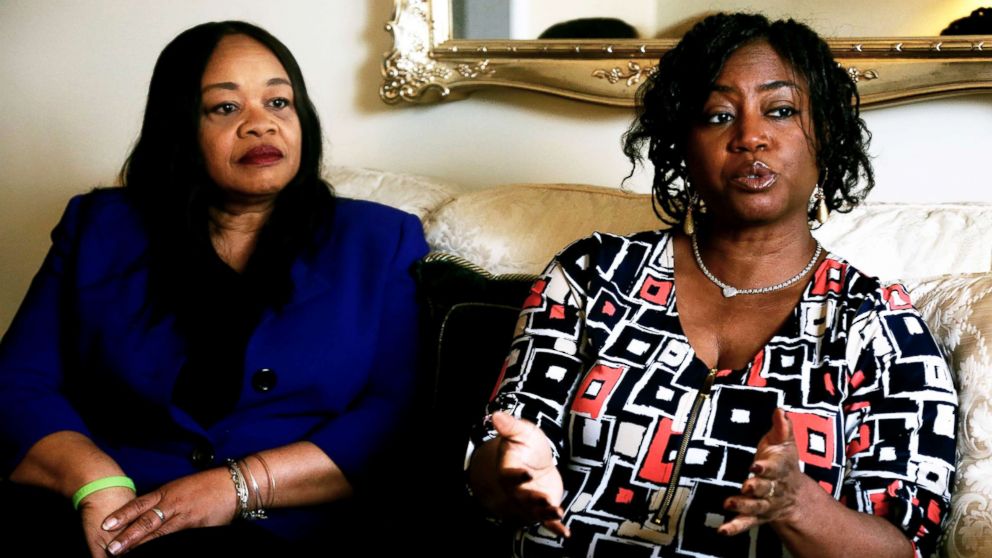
[426, 65]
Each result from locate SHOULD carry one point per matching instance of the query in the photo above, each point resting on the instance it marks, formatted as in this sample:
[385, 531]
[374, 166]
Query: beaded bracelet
[240, 487]
[241, 490]
[100, 484]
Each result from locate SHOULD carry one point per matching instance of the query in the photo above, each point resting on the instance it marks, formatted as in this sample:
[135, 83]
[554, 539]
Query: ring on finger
[771, 491]
[161, 514]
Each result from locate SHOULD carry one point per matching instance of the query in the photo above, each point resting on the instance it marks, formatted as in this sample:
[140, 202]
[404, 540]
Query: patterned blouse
[650, 441]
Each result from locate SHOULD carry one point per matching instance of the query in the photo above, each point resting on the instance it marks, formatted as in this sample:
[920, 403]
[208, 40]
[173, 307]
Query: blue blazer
[335, 366]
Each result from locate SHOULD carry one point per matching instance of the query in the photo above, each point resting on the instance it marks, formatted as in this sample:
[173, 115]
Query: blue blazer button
[202, 456]
[263, 380]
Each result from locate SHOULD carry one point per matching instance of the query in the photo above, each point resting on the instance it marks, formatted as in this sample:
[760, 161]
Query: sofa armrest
[958, 309]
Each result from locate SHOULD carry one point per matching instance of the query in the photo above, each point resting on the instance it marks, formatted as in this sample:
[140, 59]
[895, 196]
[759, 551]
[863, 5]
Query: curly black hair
[978, 22]
[671, 100]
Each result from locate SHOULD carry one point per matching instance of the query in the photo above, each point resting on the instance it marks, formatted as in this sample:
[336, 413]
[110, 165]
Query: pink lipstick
[261, 155]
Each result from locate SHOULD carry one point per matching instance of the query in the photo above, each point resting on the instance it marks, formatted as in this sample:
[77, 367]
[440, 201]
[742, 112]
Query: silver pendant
[729, 292]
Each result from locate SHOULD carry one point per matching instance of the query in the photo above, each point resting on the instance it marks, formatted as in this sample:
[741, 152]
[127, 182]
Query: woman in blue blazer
[220, 339]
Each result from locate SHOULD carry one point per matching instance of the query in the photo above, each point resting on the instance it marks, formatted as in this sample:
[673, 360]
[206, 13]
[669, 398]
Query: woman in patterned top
[787, 403]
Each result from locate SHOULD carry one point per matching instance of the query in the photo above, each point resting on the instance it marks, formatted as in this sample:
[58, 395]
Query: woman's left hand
[772, 493]
[200, 500]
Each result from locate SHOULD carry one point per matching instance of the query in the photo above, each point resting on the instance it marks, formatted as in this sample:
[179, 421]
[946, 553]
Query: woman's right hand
[94, 509]
[63, 462]
[526, 472]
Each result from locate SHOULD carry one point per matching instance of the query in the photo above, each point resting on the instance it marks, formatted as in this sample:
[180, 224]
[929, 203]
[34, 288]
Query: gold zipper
[690, 425]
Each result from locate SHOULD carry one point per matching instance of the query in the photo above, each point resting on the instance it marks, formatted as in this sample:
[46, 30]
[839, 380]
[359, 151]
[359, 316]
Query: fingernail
[114, 547]
[110, 523]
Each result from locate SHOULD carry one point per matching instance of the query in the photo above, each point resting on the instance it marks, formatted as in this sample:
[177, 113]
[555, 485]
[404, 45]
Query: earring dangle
[822, 211]
[688, 223]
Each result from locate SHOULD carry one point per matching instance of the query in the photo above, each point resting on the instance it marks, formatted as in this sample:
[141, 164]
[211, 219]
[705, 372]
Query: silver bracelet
[241, 489]
[257, 511]
[268, 474]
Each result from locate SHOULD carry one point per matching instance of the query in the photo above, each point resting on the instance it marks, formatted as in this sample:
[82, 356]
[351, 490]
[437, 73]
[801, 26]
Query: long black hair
[166, 177]
[673, 97]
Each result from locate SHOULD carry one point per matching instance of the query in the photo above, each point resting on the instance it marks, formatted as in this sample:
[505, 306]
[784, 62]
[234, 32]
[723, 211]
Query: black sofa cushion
[468, 323]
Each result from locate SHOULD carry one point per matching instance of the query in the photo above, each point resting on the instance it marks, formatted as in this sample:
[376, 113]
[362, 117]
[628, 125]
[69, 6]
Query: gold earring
[822, 211]
[688, 223]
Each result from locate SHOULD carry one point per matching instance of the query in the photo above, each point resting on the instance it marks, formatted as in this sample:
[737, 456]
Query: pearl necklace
[729, 291]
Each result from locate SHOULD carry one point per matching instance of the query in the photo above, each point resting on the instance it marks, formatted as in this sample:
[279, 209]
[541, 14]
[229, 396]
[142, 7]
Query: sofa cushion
[959, 312]
[469, 319]
[418, 195]
[518, 229]
[895, 240]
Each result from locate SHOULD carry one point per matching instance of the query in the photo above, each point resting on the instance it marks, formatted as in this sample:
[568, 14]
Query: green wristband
[100, 484]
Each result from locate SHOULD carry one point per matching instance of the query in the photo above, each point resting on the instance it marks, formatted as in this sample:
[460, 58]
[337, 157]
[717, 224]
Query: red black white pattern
[603, 367]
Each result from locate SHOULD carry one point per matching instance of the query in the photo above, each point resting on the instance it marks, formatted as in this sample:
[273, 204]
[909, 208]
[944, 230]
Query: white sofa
[942, 252]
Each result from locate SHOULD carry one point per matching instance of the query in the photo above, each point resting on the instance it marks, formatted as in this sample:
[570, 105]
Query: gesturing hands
[771, 494]
[201, 500]
[527, 473]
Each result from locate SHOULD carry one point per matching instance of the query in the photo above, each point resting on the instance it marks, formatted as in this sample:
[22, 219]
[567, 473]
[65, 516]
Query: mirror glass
[669, 19]
[445, 49]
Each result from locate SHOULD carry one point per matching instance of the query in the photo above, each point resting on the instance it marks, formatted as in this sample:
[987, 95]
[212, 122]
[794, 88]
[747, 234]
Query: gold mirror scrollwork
[427, 65]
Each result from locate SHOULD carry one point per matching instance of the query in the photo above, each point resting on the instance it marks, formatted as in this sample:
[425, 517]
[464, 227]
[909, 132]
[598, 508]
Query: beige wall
[74, 76]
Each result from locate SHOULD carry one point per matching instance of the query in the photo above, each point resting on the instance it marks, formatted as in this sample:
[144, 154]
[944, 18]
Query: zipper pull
[661, 517]
[708, 383]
